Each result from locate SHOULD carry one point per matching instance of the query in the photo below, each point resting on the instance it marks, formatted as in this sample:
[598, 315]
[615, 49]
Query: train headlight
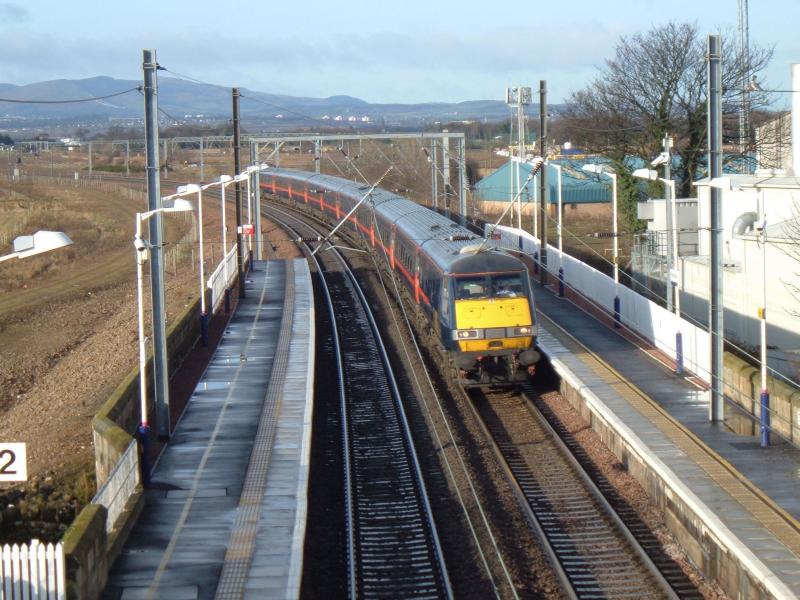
[527, 330]
[468, 334]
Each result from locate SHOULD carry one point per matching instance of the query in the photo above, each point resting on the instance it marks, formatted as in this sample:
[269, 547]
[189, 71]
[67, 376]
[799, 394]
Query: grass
[106, 168]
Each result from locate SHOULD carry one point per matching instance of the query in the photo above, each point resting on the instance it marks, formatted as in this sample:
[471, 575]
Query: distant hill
[182, 99]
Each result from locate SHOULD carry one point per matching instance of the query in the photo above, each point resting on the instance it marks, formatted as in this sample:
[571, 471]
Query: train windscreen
[508, 285]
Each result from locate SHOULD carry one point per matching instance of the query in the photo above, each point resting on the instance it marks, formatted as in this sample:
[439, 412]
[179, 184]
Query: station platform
[751, 500]
[225, 511]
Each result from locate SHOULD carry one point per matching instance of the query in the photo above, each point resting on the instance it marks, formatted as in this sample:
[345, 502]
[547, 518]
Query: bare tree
[656, 84]
[792, 250]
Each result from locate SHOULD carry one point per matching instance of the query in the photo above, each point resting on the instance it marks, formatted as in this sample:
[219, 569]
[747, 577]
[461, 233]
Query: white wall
[742, 292]
[652, 322]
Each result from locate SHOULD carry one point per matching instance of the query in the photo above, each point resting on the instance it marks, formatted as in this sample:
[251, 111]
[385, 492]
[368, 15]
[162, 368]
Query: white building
[750, 267]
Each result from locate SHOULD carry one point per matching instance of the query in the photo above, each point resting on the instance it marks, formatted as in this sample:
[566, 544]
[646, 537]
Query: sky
[400, 51]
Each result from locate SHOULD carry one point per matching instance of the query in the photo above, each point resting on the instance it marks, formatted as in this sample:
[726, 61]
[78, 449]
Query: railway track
[594, 553]
[393, 547]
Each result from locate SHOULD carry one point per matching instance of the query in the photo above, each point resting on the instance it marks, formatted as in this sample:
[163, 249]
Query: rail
[393, 546]
[591, 548]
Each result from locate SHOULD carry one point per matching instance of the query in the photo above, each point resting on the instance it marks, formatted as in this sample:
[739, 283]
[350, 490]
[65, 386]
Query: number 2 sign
[13, 462]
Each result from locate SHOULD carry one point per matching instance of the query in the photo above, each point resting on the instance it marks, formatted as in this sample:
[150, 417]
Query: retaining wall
[89, 549]
[709, 544]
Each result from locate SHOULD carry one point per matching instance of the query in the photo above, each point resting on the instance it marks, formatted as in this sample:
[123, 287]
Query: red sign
[248, 229]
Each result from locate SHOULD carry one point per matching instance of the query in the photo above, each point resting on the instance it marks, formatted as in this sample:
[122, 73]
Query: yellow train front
[490, 326]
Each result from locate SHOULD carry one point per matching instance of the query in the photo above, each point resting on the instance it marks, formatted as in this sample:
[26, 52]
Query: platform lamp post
[762, 317]
[223, 182]
[183, 190]
[38, 243]
[673, 278]
[651, 175]
[559, 170]
[603, 170]
[247, 176]
[142, 247]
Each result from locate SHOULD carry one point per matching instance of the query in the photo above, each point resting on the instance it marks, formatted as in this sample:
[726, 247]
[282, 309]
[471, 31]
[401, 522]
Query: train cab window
[507, 286]
[469, 288]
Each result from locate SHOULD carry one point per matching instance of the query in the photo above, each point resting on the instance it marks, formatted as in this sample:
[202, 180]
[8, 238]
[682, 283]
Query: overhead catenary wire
[72, 101]
[450, 434]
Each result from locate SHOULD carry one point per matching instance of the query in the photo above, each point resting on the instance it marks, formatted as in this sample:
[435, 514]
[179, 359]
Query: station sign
[13, 462]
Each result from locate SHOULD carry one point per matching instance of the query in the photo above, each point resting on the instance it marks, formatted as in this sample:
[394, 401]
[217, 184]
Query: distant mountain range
[185, 100]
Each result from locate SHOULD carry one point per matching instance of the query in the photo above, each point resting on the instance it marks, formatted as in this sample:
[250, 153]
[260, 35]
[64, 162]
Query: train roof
[421, 225]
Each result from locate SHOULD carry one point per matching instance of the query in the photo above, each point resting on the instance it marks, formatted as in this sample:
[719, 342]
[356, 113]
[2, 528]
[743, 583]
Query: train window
[468, 288]
[507, 286]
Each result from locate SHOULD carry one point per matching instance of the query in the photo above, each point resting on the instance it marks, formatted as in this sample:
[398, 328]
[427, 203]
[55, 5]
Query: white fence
[654, 323]
[120, 486]
[32, 572]
[222, 277]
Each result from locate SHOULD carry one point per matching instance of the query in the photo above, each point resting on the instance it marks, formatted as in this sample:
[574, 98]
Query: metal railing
[120, 486]
[656, 244]
[222, 277]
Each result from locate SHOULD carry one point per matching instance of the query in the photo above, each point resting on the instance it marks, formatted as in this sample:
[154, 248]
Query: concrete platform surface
[225, 511]
[729, 493]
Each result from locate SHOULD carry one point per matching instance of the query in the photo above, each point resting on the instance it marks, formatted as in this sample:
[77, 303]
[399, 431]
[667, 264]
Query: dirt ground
[68, 333]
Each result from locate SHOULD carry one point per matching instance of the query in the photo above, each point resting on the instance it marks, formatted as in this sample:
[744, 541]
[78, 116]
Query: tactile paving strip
[242, 544]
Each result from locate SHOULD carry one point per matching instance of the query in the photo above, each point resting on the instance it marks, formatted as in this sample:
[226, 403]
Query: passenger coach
[477, 300]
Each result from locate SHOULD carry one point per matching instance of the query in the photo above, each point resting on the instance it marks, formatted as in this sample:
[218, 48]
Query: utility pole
[202, 162]
[434, 176]
[256, 189]
[744, 68]
[160, 369]
[520, 153]
[237, 167]
[462, 176]
[90, 159]
[666, 144]
[446, 172]
[128, 158]
[716, 306]
[543, 182]
[317, 155]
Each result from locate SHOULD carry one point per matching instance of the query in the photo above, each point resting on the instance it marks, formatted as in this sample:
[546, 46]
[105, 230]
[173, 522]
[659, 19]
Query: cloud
[13, 13]
[377, 66]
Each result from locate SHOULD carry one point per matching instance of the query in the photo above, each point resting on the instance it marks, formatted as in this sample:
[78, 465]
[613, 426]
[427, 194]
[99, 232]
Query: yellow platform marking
[751, 498]
[152, 589]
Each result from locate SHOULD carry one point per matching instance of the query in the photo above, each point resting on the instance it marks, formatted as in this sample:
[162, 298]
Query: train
[477, 299]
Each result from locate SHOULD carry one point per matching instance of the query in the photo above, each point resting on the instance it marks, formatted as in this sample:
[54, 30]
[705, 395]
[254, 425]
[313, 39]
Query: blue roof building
[577, 187]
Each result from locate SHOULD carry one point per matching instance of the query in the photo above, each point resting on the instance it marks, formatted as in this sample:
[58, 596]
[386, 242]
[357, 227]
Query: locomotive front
[493, 318]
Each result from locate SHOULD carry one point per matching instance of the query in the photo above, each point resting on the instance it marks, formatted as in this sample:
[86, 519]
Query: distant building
[579, 190]
[750, 267]
[773, 143]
